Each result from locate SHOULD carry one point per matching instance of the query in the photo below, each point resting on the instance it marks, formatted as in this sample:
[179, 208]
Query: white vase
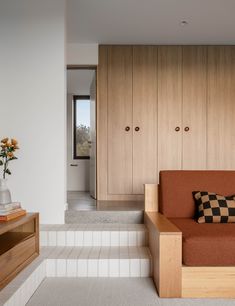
[5, 195]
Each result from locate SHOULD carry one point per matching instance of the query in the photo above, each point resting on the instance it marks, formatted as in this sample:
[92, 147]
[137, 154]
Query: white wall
[32, 102]
[82, 54]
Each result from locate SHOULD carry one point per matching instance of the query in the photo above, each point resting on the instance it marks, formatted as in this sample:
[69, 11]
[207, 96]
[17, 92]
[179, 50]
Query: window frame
[75, 98]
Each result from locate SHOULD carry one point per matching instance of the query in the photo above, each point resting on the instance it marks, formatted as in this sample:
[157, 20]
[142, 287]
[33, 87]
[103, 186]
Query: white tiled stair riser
[98, 262]
[76, 262]
[98, 250]
[96, 235]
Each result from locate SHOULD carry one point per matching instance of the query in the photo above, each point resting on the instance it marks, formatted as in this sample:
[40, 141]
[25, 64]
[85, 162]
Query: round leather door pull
[137, 129]
[177, 129]
[186, 129]
[127, 128]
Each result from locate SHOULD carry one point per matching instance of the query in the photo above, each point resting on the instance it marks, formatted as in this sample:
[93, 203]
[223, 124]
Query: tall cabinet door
[221, 107]
[119, 131]
[194, 107]
[169, 107]
[144, 117]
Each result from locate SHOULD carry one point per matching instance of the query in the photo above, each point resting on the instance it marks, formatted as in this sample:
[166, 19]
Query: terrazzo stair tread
[55, 252]
[45, 251]
[95, 252]
[104, 216]
[104, 252]
[75, 253]
[65, 253]
[84, 254]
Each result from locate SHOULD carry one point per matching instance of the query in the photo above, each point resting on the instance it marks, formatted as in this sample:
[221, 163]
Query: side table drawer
[15, 258]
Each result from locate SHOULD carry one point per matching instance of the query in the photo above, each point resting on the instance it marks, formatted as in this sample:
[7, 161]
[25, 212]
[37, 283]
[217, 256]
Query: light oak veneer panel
[119, 117]
[208, 282]
[169, 107]
[165, 243]
[194, 107]
[221, 107]
[102, 119]
[144, 117]
[151, 197]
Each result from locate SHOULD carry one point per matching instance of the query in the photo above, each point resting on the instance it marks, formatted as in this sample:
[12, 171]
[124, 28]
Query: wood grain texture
[102, 125]
[144, 117]
[162, 224]
[22, 249]
[208, 282]
[151, 197]
[15, 257]
[195, 87]
[13, 224]
[119, 117]
[169, 107]
[93, 149]
[221, 107]
[194, 107]
[166, 251]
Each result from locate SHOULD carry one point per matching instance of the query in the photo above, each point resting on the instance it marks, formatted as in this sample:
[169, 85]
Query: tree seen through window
[82, 127]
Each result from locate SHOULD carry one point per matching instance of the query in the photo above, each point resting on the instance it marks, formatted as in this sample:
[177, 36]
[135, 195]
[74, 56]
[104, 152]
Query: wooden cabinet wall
[180, 99]
[194, 107]
[144, 116]
[169, 107]
[221, 108]
[127, 121]
[119, 92]
[182, 107]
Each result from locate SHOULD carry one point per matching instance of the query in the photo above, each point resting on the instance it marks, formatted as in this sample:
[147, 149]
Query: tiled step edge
[22, 287]
[93, 238]
[87, 264]
[98, 261]
[138, 267]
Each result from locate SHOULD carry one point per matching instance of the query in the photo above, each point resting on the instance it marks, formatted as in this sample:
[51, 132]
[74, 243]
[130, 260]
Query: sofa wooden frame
[171, 278]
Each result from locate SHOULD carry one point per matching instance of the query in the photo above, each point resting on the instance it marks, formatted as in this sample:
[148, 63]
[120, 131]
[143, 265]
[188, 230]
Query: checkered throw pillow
[214, 208]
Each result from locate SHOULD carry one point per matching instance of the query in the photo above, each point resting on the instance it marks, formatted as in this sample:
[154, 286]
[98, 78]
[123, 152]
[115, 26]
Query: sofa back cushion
[176, 187]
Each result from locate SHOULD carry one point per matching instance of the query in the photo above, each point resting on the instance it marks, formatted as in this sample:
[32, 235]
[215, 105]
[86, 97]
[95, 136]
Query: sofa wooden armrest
[151, 197]
[165, 242]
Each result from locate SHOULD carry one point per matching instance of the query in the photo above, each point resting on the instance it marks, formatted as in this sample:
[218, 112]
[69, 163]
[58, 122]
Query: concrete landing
[104, 216]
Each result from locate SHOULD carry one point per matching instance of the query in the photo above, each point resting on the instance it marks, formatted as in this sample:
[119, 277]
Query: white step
[93, 235]
[97, 261]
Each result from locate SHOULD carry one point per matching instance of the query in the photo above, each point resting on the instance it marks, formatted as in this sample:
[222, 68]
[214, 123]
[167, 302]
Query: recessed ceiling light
[183, 23]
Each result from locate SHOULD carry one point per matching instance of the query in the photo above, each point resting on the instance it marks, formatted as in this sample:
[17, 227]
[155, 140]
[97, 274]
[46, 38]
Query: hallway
[84, 209]
[80, 200]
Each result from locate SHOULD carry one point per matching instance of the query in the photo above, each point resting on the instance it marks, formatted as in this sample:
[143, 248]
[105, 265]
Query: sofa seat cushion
[207, 244]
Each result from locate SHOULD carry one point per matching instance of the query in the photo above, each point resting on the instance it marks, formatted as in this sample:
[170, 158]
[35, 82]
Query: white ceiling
[79, 81]
[151, 21]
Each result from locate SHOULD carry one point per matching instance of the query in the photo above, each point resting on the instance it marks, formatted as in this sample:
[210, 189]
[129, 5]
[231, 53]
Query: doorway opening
[81, 138]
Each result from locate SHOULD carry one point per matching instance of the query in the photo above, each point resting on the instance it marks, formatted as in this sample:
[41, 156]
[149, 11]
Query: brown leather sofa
[201, 257]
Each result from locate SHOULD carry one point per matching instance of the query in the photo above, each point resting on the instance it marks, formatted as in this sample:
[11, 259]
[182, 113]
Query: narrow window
[81, 127]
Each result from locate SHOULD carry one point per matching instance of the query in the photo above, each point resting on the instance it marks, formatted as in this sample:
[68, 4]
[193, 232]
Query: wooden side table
[19, 245]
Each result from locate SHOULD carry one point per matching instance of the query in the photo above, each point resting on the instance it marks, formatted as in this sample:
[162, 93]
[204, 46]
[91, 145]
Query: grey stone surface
[79, 200]
[109, 292]
[72, 216]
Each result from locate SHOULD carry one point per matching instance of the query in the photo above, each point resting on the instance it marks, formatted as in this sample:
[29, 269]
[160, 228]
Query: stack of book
[11, 211]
